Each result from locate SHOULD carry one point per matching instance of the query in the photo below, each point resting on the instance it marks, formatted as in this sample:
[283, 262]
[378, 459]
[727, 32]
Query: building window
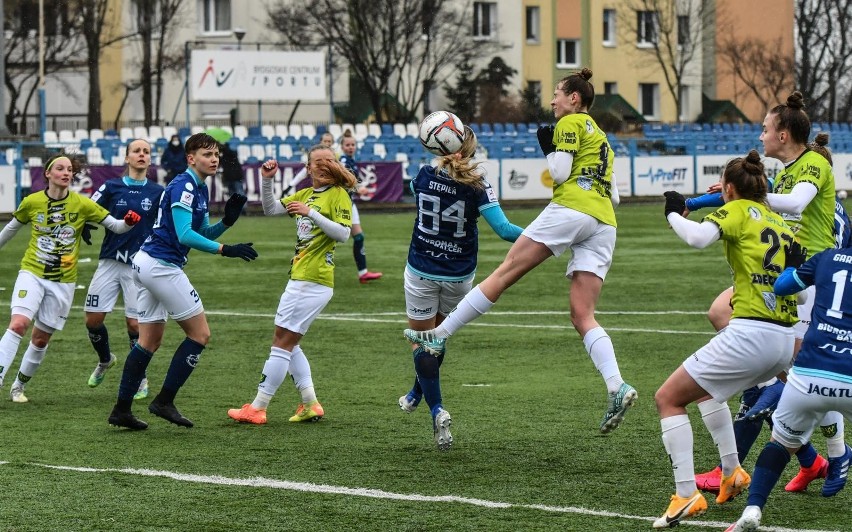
[58, 15]
[649, 100]
[683, 30]
[610, 87]
[533, 24]
[567, 53]
[684, 104]
[609, 27]
[646, 28]
[216, 15]
[484, 20]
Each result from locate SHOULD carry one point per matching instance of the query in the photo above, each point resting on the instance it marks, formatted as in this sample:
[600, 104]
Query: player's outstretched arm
[9, 231]
[501, 225]
[271, 205]
[121, 226]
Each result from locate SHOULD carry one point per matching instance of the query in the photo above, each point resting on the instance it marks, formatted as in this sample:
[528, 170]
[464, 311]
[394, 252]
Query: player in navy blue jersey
[132, 191]
[348, 146]
[182, 223]
[450, 197]
[820, 380]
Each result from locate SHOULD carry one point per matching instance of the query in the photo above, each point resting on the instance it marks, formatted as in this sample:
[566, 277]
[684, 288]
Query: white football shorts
[804, 402]
[300, 304]
[47, 302]
[164, 291]
[804, 310]
[110, 278]
[591, 242]
[743, 354]
[425, 298]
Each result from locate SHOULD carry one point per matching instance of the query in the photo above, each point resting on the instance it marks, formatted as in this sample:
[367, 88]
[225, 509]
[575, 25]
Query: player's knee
[94, 321]
[19, 325]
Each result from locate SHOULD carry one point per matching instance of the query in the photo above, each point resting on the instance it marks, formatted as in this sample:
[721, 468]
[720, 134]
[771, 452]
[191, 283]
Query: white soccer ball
[442, 133]
[841, 194]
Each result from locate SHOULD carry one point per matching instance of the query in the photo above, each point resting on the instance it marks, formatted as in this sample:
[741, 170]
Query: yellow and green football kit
[814, 228]
[55, 238]
[589, 187]
[754, 238]
[314, 258]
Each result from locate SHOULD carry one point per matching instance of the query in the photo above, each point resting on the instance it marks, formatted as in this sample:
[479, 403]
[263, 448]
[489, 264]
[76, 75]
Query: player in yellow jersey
[581, 218]
[44, 288]
[756, 345]
[323, 219]
[804, 195]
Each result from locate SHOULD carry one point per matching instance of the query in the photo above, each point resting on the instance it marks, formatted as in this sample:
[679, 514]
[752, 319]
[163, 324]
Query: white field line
[266, 483]
[399, 318]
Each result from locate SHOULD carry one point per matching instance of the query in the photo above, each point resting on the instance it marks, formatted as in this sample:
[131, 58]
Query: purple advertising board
[381, 182]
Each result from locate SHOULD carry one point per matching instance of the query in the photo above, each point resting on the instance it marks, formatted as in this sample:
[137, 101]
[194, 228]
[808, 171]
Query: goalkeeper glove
[545, 139]
[131, 218]
[233, 209]
[86, 233]
[795, 255]
[242, 251]
[675, 203]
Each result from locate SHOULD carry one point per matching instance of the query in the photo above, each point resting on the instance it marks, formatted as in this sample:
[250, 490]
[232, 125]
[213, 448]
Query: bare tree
[94, 15]
[399, 49]
[758, 70]
[674, 33]
[62, 48]
[156, 24]
[825, 56]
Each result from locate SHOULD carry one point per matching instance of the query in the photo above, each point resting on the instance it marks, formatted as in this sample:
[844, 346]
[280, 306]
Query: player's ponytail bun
[747, 176]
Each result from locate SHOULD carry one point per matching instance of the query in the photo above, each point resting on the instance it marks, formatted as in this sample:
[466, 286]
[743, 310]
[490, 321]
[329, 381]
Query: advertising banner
[381, 182]
[220, 75]
[654, 175]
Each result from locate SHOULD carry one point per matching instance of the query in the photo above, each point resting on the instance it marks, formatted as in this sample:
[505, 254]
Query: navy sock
[428, 375]
[183, 362]
[746, 432]
[134, 337]
[806, 455]
[358, 251]
[100, 341]
[134, 369]
[767, 470]
[416, 389]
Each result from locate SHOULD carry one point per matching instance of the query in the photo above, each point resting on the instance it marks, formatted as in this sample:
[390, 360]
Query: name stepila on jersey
[55, 238]
[444, 242]
[754, 238]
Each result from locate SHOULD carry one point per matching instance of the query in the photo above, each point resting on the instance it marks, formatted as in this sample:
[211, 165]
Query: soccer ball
[841, 194]
[442, 133]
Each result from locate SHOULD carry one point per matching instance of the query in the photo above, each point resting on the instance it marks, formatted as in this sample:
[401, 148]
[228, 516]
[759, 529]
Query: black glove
[242, 251]
[545, 139]
[795, 255]
[233, 209]
[675, 203]
[86, 233]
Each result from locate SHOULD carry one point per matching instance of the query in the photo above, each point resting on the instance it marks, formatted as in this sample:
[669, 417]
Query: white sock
[677, 439]
[599, 346]
[836, 445]
[300, 369]
[274, 372]
[474, 305]
[8, 349]
[30, 363]
[717, 419]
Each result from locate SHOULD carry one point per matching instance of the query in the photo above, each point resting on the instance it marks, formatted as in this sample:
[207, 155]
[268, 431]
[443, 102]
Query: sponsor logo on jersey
[57, 217]
[769, 300]
[186, 198]
[72, 216]
[754, 213]
[146, 204]
[827, 391]
[40, 218]
[838, 350]
[585, 182]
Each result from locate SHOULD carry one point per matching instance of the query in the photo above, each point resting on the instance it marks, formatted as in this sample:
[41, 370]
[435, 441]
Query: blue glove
[766, 403]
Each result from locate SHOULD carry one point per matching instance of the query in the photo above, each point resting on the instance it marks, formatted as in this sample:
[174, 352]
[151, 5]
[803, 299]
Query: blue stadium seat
[184, 132]
[485, 129]
[498, 128]
[387, 130]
